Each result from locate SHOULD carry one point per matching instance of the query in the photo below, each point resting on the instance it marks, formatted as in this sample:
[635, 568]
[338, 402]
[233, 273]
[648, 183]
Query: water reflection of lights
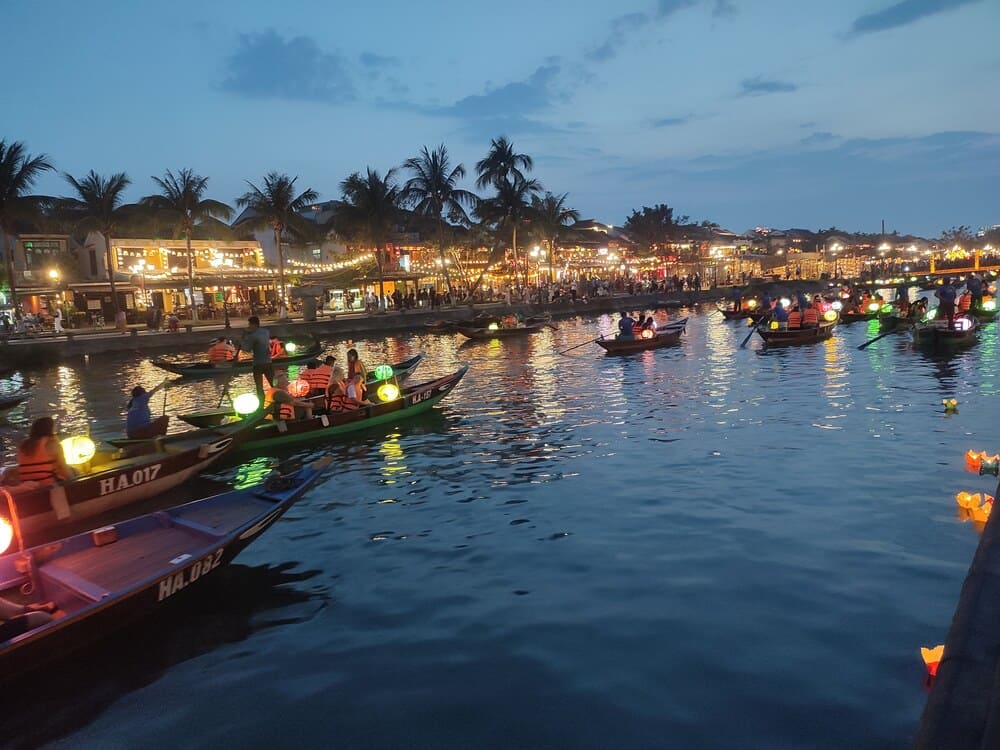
[392, 451]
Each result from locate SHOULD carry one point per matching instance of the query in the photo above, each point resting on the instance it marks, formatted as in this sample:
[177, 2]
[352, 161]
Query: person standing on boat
[946, 301]
[257, 340]
[781, 316]
[139, 422]
[975, 287]
[356, 367]
[736, 295]
[40, 458]
[626, 326]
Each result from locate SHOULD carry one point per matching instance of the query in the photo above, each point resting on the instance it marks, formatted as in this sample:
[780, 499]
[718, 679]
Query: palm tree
[550, 217]
[180, 202]
[276, 206]
[510, 206]
[433, 189]
[98, 205]
[18, 172]
[369, 213]
[501, 163]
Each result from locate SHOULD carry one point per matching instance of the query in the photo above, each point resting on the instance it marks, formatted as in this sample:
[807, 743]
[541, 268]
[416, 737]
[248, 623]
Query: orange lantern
[299, 388]
[647, 333]
[973, 460]
[932, 658]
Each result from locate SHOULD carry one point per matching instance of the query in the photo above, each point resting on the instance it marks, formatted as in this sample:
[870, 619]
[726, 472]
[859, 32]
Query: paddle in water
[869, 342]
[752, 331]
[579, 345]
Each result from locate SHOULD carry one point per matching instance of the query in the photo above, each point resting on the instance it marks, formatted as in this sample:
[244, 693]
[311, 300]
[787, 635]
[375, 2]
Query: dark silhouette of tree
[18, 173]
[369, 212]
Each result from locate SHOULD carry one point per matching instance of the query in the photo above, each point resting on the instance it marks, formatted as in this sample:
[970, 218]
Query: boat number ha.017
[130, 479]
[171, 585]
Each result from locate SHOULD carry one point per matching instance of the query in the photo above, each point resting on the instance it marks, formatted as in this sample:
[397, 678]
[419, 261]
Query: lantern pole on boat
[15, 522]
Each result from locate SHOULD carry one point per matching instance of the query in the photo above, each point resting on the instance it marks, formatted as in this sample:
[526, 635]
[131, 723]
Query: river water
[696, 547]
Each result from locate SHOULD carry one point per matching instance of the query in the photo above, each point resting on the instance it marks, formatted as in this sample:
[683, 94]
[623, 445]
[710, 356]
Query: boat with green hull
[411, 402]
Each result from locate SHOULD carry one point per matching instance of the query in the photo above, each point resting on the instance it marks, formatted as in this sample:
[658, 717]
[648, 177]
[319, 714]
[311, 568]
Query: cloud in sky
[374, 61]
[759, 86]
[620, 29]
[903, 13]
[667, 122]
[724, 8]
[266, 65]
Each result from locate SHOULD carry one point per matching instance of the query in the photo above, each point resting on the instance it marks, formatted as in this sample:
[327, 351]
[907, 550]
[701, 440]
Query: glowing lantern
[78, 450]
[647, 333]
[873, 307]
[753, 303]
[299, 388]
[990, 305]
[774, 325]
[246, 403]
[291, 347]
[962, 324]
[6, 534]
[384, 372]
[932, 658]
[974, 460]
[950, 405]
[886, 308]
[388, 392]
[785, 302]
[931, 314]
[493, 327]
[830, 316]
[990, 465]
[837, 305]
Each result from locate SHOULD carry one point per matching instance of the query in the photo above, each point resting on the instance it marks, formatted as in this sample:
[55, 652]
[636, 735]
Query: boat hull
[936, 335]
[225, 369]
[797, 336]
[670, 337]
[482, 334]
[101, 587]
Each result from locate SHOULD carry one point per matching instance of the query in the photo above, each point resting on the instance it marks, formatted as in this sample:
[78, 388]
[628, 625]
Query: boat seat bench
[80, 586]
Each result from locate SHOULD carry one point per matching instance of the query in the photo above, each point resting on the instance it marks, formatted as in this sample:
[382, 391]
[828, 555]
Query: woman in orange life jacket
[317, 378]
[794, 318]
[221, 351]
[277, 348]
[965, 301]
[40, 457]
[337, 399]
[356, 367]
[280, 404]
[810, 317]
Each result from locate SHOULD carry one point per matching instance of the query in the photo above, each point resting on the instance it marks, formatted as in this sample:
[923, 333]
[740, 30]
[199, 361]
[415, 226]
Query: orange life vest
[277, 348]
[36, 465]
[220, 352]
[285, 411]
[794, 319]
[965, 301]
[337, 402]
[318, 378]
[810, 317]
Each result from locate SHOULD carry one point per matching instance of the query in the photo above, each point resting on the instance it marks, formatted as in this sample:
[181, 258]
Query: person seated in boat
[801, 300]
[16, 619]
[356, 367]
[626, 326]
[139, 422]
[780, 316]
[317, 376]
[918, 309]
[280, 404]
[40, 458]
[337, 399]
[946, 301]
[277, 347]
[965, 301]
[810, 317]
[221, 351]
[794, 318]
[863, 303]
[649, 323]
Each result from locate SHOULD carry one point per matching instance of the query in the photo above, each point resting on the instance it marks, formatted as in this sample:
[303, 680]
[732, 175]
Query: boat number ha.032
[172, 584]
[130, 479]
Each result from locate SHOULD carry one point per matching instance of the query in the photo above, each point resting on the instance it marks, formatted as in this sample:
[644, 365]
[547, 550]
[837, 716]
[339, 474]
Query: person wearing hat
[139, 423]
[221, 352]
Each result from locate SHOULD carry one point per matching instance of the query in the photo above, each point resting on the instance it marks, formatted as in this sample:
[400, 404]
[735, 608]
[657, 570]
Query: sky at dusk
[784, 113]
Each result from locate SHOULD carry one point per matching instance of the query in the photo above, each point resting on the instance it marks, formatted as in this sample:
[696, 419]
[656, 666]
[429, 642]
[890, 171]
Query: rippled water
[703, 546]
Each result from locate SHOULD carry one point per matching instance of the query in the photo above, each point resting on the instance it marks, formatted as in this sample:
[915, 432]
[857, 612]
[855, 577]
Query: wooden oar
[869, 342]
[753, 331]
[579, 345]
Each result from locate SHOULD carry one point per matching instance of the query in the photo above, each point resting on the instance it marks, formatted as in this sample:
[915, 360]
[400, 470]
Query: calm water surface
[697, 547]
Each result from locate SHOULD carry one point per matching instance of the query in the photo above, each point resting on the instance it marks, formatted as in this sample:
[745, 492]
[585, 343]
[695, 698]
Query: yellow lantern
[647, 333]
[774, 325]
[830, 316]
[493, 327]
[78, 450]
[388, 392]
[246, 403]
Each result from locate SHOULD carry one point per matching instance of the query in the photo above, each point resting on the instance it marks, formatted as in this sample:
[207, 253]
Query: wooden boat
[666, 335]
[854, 317]
[894, 322]
[400, 371]
[306, 349]
[111, 481]
[794, 336]
[985, 316]
[742, 314]
[105, 578]
[935, 334]
[12, 399]
[499, 332]
[412, 401]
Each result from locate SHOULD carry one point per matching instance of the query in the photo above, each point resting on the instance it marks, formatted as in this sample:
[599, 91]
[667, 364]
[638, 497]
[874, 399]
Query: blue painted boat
[105, 578]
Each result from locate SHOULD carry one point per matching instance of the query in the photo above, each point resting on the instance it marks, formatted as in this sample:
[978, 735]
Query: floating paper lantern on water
[388, 392]
[78, 450]
[299, 388]
[932, 658]
[246, 403]
[647, 333]
[830, 316]
[291, 347]
[6, 534]
[950, 405]
[383, 372]
[973, 460]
